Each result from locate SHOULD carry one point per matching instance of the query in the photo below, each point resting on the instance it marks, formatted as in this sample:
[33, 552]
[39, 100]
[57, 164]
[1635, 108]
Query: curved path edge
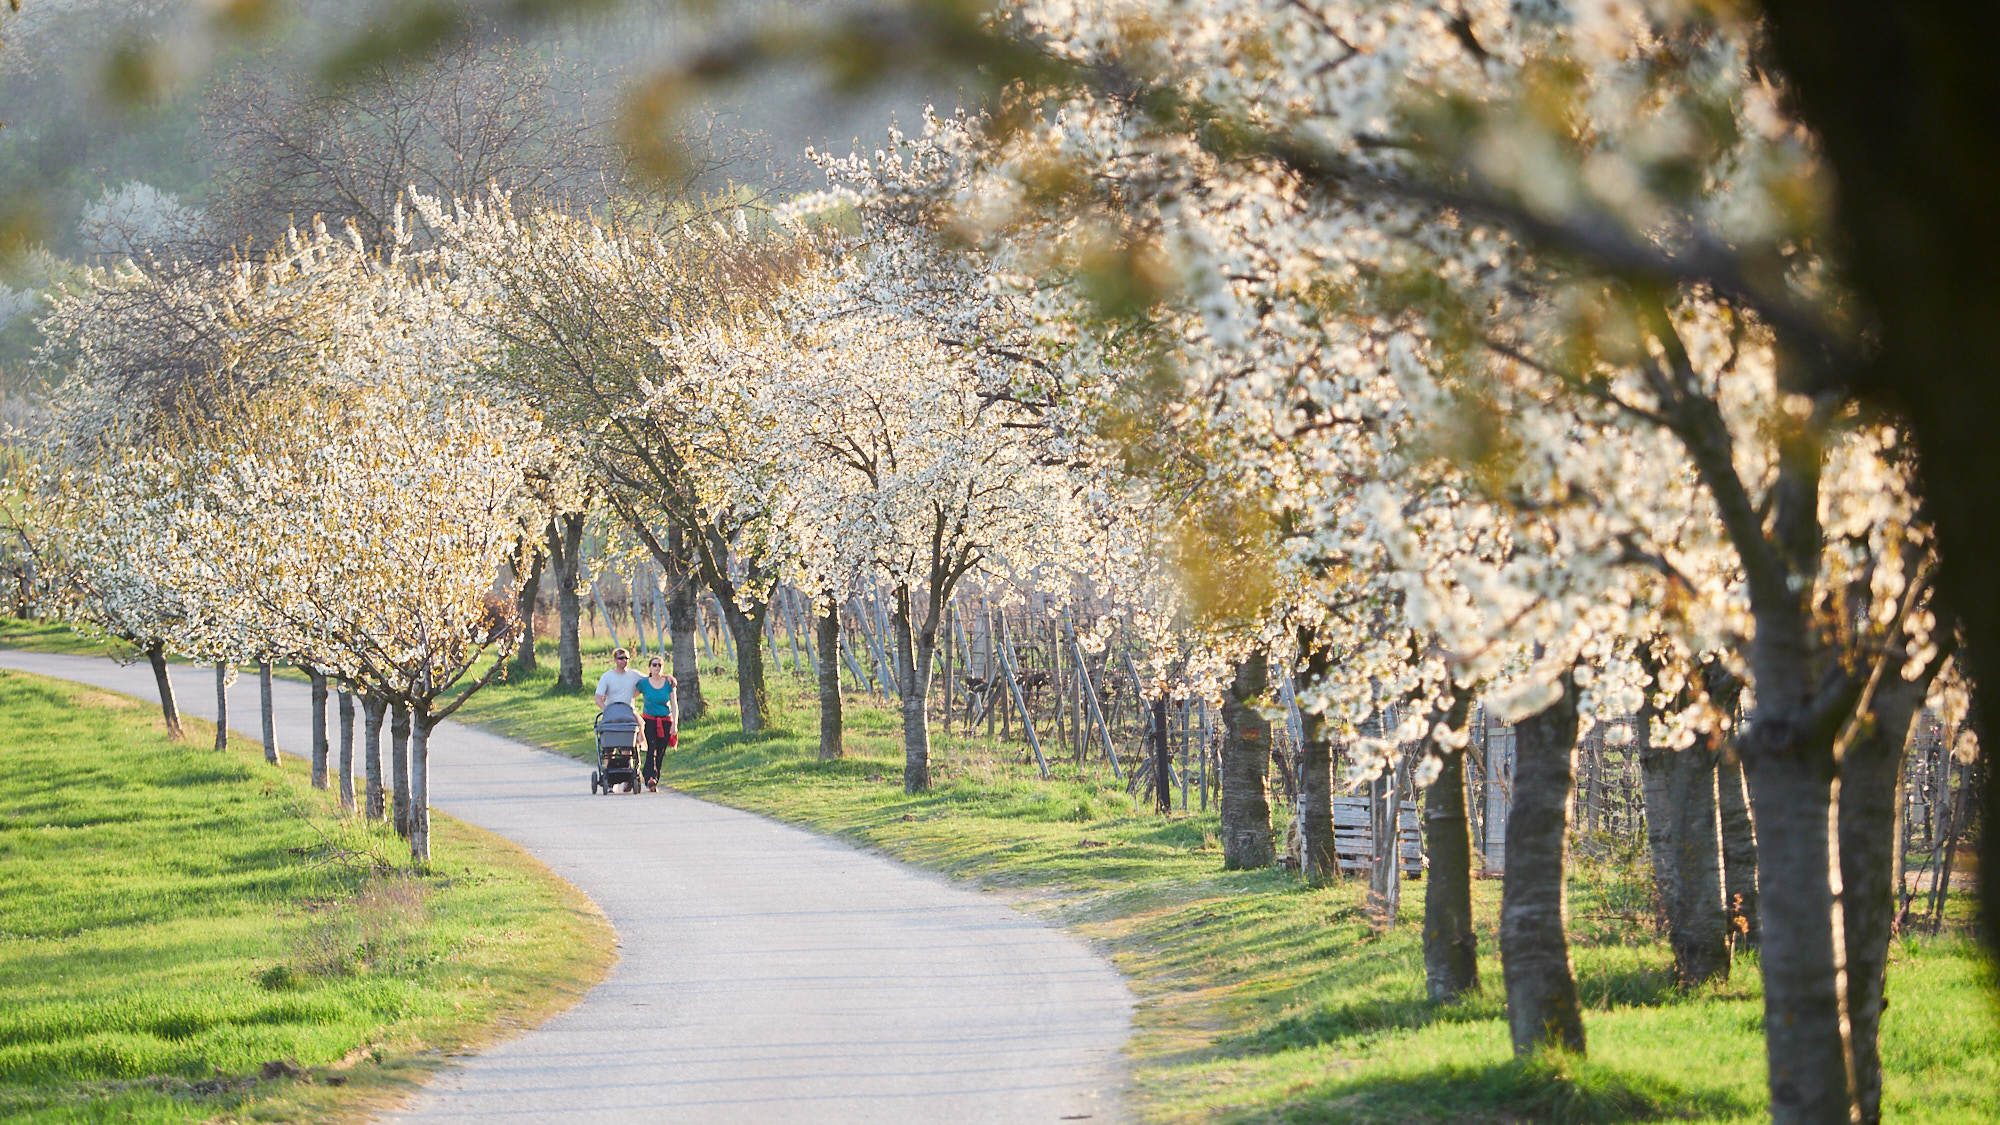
[766, 974]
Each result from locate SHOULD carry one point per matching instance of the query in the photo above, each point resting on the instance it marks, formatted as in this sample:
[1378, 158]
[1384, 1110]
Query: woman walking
[657, 689]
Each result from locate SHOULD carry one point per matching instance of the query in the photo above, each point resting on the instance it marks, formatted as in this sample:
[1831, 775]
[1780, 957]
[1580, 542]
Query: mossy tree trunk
[420, 723]
[399, 764]
[1245, 759]
[1318, 865]
[1542, 1006]
[683, 619]
[524, 604]
[827, 625]
[223, 674]
[565, 534]
[321, 750]
[1451, 948]
[346, 782]
[373, 710]
[264, 706]
[170, 708]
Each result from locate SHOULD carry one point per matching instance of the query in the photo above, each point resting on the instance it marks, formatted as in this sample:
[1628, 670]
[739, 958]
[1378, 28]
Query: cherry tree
[585, 308]
[1347, 214]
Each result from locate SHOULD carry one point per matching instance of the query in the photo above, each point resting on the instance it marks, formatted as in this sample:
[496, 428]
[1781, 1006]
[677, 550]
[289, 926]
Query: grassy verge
[48, 636]
[1265, 1001]
[193, 936]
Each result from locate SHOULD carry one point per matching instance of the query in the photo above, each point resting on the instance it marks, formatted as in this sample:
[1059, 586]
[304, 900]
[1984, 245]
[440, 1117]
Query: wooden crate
[1354, 836]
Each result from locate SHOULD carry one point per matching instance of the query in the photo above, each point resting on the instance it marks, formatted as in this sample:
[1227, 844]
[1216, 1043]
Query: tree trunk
[346, 781]
[1871, 777]
[914, 650]
[420, 723]
[1739, 850]
[1245, 760]
[746, 628]
[1698, 923]
[223, 674]
[1163, 765]
[1318, 864]
[683, 622]
[320, 749]
[531, 589]
[1881, 85]
[372, 711]
[264, 703]
[399, 763]
[1805, 1016]
[828, 624]
[1451, 949]
[565, 548]
[170, 708]
[1542, 1007]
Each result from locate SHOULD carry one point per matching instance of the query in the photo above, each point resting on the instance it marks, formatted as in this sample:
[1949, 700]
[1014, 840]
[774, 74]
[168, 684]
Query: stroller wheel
[593, 781]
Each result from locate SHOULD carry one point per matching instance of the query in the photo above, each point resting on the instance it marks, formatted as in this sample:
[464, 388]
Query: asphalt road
[765, 974]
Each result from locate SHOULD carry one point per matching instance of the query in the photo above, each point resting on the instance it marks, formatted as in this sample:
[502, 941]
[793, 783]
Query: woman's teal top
[657, 698]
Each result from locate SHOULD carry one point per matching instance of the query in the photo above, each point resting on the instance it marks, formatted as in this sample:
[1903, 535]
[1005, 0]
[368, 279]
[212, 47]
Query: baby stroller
[617, 749]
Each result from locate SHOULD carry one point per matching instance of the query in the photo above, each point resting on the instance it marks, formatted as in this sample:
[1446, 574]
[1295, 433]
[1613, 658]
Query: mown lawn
[194, 936]
[1265, 1001]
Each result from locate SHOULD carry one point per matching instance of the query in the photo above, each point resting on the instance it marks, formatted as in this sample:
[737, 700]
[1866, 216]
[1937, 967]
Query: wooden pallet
[1354, 836]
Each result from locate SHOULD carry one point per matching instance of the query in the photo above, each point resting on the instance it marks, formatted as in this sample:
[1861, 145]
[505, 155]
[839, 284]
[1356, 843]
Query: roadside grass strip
[194, 936]
[1265, 1001]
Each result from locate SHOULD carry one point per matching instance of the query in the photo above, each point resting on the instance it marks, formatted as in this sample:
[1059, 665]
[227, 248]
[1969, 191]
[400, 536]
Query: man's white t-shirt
[620, 687]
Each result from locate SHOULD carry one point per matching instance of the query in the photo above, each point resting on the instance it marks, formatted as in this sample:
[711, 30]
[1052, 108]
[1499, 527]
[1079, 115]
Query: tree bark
[1245, 760]
[1318, 865]
[531, 589]
[222, 674]
[170, 709]
[565, 550]
[915, 647]
[1451, 948]
[1805, 996]
[828, 627]
[1542, 1006]
[264, 704]
[399, 763]
[373, 709]
[346, 782]
[746, 629]
[1904, 100]
[1739, 850]
[1163, 765]
[320, 749]
[420, 724]
[1698, 923]
[683, 621]
[1871, 778]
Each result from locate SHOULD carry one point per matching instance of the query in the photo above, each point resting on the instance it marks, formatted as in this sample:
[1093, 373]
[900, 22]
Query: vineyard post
[1090, 698]
[1204, 755]
[1014, 686]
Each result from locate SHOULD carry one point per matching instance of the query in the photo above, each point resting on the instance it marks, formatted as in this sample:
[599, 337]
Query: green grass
[49, 636]
[1261, 1000]
[194, 936]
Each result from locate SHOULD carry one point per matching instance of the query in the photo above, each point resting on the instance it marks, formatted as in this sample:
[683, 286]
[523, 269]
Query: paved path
[766, 974]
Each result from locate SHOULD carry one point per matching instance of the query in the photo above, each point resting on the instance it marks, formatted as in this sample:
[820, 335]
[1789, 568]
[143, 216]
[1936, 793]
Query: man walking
[620, 684]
